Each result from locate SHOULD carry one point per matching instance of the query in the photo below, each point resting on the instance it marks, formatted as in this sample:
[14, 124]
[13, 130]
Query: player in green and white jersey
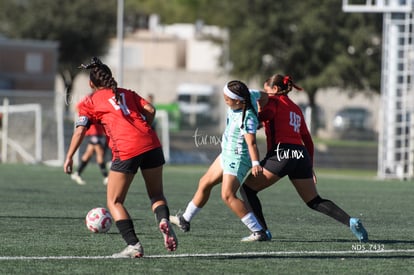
[239, 155]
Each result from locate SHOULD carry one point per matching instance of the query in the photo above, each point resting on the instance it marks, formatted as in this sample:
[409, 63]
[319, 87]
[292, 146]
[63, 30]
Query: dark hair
[240, 89]
[101, 76]
[285, 83]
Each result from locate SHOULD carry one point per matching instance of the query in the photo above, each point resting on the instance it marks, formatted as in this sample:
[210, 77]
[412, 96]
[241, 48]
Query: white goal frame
[396, 135]
[7, 143]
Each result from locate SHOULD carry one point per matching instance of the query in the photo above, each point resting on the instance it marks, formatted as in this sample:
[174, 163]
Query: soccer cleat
[180, 222]
[268, 235]
[258, 236]
[131, 251]
[358, 229]
[170, 240]
[76, 177]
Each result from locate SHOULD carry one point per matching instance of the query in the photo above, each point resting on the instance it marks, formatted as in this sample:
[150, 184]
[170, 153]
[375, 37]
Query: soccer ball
[98, 220]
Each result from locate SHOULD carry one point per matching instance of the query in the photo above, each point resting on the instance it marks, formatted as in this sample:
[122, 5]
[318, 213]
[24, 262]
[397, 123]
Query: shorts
[235, 167]
[150, 159]
[289, 159]
[97, 140]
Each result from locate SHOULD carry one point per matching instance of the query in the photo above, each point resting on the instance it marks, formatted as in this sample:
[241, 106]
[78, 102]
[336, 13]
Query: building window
[34, 63]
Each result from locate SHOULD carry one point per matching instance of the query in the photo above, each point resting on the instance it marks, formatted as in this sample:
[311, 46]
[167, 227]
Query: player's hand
[67, 167]
[257, 170]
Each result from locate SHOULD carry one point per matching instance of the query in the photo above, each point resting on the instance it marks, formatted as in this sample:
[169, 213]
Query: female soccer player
[239, 154]
[290, 152]
[127, 119]
[96, 145]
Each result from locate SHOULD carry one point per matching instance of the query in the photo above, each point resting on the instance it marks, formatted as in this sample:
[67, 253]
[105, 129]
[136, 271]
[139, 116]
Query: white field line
[217, 255]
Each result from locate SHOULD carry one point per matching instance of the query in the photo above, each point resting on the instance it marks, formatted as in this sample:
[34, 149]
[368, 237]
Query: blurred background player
[290, 153]
[96, 145]
[127, 118]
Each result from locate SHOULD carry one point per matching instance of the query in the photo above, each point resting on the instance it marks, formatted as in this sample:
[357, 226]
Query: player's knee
[158, 199]
[314, 203]
[227, 197]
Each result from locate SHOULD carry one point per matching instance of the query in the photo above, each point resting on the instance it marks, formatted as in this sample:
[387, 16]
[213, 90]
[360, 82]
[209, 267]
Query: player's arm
[149, 113]
[264, 98]
[253, 152]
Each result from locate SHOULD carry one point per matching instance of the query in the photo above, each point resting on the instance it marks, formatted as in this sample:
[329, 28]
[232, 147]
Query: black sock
[251, 198]
[126, 228]
[329, 208]
[104, 171]
[162, 212]
[82, 166]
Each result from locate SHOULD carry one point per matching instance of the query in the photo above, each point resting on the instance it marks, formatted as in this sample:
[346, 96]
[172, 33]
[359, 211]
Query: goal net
[29, 127]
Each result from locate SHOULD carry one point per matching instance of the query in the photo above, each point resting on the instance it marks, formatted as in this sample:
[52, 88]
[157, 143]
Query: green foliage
[314, 40]
[82, 27]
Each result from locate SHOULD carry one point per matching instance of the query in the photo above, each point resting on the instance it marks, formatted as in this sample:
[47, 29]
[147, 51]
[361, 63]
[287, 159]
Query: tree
[82, 28]
[314, 41]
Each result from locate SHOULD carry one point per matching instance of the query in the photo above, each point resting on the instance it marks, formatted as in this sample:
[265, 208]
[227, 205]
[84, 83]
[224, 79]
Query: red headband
[288, 79]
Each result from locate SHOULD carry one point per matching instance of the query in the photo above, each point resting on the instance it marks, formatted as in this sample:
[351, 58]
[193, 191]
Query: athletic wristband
[255, 163]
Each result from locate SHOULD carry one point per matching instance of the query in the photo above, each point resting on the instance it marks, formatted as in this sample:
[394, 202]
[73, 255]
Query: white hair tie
[230, 94]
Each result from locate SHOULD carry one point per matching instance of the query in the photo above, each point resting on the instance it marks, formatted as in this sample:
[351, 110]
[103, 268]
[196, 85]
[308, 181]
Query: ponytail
[101, 76]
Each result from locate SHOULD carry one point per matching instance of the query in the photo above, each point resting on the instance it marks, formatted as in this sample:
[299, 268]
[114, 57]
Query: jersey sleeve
[251, 123]
[254, 97]
[85, 112]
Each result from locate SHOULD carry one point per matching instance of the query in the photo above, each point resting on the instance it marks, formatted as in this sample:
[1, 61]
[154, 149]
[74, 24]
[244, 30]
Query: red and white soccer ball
[98, 220]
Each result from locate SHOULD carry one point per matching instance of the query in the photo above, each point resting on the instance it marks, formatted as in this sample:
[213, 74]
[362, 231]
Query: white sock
[191, 211]
[251, 222]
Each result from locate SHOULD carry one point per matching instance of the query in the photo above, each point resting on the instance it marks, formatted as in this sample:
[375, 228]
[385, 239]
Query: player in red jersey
[127, 119]
[96, 145]
[290, 152]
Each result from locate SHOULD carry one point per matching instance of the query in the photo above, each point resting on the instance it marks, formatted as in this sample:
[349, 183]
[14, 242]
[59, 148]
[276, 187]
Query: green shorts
[236, 167]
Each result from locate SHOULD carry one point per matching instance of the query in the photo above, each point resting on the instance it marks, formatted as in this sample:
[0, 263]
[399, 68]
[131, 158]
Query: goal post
[396, 134]
[11, 143]
[163, 129]
[377, 6]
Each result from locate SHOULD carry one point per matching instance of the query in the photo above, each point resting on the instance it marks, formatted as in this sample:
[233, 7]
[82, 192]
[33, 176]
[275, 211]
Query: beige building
[28, 64]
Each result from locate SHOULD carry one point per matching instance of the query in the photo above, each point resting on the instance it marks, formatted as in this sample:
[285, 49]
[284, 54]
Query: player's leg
[100, 160]
[211, 178]
[154, 185]
[86, 156]
[152, 171]
[254, 185]
[117, 189]
[306, 189]
[230, 186]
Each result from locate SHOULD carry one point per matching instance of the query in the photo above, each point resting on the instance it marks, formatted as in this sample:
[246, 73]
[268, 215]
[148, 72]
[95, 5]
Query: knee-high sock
[251, 198]
[162, 212]
[102, 167]
[329, 208]
[126, 228]
[82, 166]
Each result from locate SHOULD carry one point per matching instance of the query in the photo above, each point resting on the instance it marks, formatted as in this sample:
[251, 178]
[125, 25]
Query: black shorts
[289, 159]
[147, 160]
[97, 140]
